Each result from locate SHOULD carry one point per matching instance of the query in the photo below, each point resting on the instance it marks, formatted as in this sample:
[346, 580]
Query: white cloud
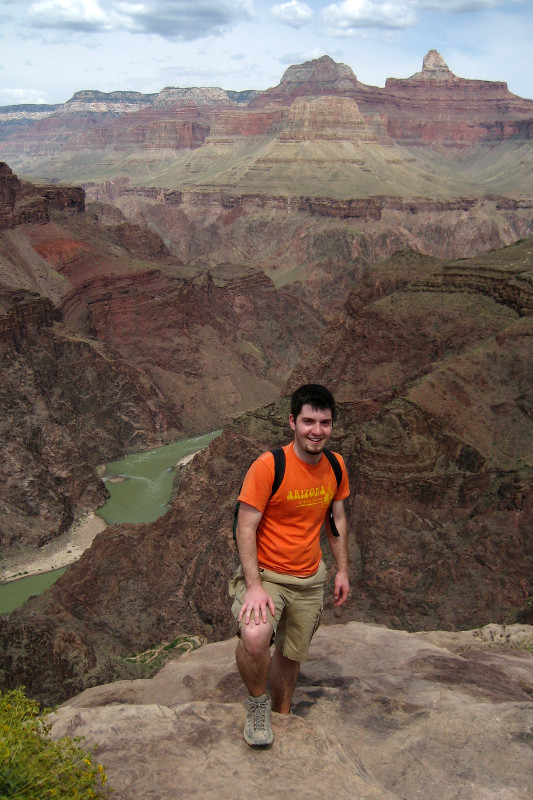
[80, 15]
[184, 20]
[293, 13]
[10, 97]
[344, 18]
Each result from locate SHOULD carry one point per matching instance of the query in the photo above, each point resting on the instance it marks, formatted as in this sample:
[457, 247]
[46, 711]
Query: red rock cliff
[25, 203]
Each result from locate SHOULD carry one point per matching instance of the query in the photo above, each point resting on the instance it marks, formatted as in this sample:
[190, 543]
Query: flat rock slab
[378, 714]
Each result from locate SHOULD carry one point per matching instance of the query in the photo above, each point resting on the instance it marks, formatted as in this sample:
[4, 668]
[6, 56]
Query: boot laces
[259, 714]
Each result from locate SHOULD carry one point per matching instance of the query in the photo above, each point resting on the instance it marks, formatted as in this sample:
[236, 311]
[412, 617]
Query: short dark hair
[314, 395]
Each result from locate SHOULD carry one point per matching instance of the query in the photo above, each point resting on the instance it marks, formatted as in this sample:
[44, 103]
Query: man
[279, 587]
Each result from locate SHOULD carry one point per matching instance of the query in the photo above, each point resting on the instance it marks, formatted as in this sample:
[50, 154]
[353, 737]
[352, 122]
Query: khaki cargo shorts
[298, 603]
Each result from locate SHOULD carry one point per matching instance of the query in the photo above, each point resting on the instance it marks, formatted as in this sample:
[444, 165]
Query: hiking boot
[257, 730]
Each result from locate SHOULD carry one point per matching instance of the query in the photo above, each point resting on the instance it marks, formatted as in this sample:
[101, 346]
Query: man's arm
[339, 548]
[255, 599]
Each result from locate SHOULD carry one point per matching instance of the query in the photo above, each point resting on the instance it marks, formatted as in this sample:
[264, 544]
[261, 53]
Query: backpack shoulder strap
[336, 467]
[279, 468]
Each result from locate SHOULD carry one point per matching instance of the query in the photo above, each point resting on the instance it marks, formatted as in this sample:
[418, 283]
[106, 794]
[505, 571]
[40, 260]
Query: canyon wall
[110, 345]
[200, 304]
[22, 202]
[431, 363]
[351, 138]
[68, 404]
[319, 246]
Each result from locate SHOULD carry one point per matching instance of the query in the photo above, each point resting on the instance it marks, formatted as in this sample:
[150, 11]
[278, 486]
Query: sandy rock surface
[60, 552]
[378, 714]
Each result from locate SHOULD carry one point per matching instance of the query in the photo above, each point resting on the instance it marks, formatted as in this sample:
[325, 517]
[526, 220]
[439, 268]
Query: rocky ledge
[378, 715]
[22, 202]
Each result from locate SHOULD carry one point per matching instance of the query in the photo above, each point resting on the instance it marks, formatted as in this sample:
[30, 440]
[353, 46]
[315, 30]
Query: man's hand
[256, 600]
[342, 587]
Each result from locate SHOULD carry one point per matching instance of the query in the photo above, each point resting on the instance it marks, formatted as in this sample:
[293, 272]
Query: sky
[50, 49]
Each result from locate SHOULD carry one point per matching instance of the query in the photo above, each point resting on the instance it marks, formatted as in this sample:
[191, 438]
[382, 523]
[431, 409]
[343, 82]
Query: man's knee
[255, 639]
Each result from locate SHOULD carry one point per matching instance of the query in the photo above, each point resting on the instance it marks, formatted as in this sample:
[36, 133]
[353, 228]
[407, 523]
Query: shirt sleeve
[257, 485]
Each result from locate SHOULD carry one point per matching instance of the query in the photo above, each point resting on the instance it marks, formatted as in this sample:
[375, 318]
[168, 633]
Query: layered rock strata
[320, 103]
[433, 374]
[320, 246]
[22, 311]
[110, 346]
[22, 203]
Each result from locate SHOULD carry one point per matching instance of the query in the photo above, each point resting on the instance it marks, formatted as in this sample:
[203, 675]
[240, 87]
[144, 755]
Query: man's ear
[292, 422]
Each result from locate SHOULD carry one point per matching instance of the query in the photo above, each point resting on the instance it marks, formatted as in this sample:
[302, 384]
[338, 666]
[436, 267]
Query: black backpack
[279, 472]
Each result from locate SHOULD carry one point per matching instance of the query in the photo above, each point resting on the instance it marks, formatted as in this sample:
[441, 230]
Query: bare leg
[253, 656]
[283, 678]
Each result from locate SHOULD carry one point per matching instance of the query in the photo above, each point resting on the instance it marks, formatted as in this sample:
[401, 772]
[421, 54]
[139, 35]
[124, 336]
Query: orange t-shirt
[288, 534]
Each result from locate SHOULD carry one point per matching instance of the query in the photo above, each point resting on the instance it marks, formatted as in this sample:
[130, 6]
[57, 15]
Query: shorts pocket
[317, 622]
[234, 581]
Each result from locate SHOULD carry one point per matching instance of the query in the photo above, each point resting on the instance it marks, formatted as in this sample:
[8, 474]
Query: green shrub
[32, 766]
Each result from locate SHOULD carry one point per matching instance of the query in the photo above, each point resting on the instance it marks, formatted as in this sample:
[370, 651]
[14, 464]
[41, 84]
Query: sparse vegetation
[155, 657]
[32, 766]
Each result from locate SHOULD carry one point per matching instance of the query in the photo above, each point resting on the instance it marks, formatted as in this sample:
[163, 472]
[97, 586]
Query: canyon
[320, 132]
[109, 346]
[219, 251]
[431, 364]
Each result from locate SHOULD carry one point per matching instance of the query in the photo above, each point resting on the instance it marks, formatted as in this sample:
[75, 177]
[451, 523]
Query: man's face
[312, 431]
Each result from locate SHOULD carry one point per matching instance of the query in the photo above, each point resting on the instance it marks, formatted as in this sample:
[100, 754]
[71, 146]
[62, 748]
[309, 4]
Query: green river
[140, 487]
